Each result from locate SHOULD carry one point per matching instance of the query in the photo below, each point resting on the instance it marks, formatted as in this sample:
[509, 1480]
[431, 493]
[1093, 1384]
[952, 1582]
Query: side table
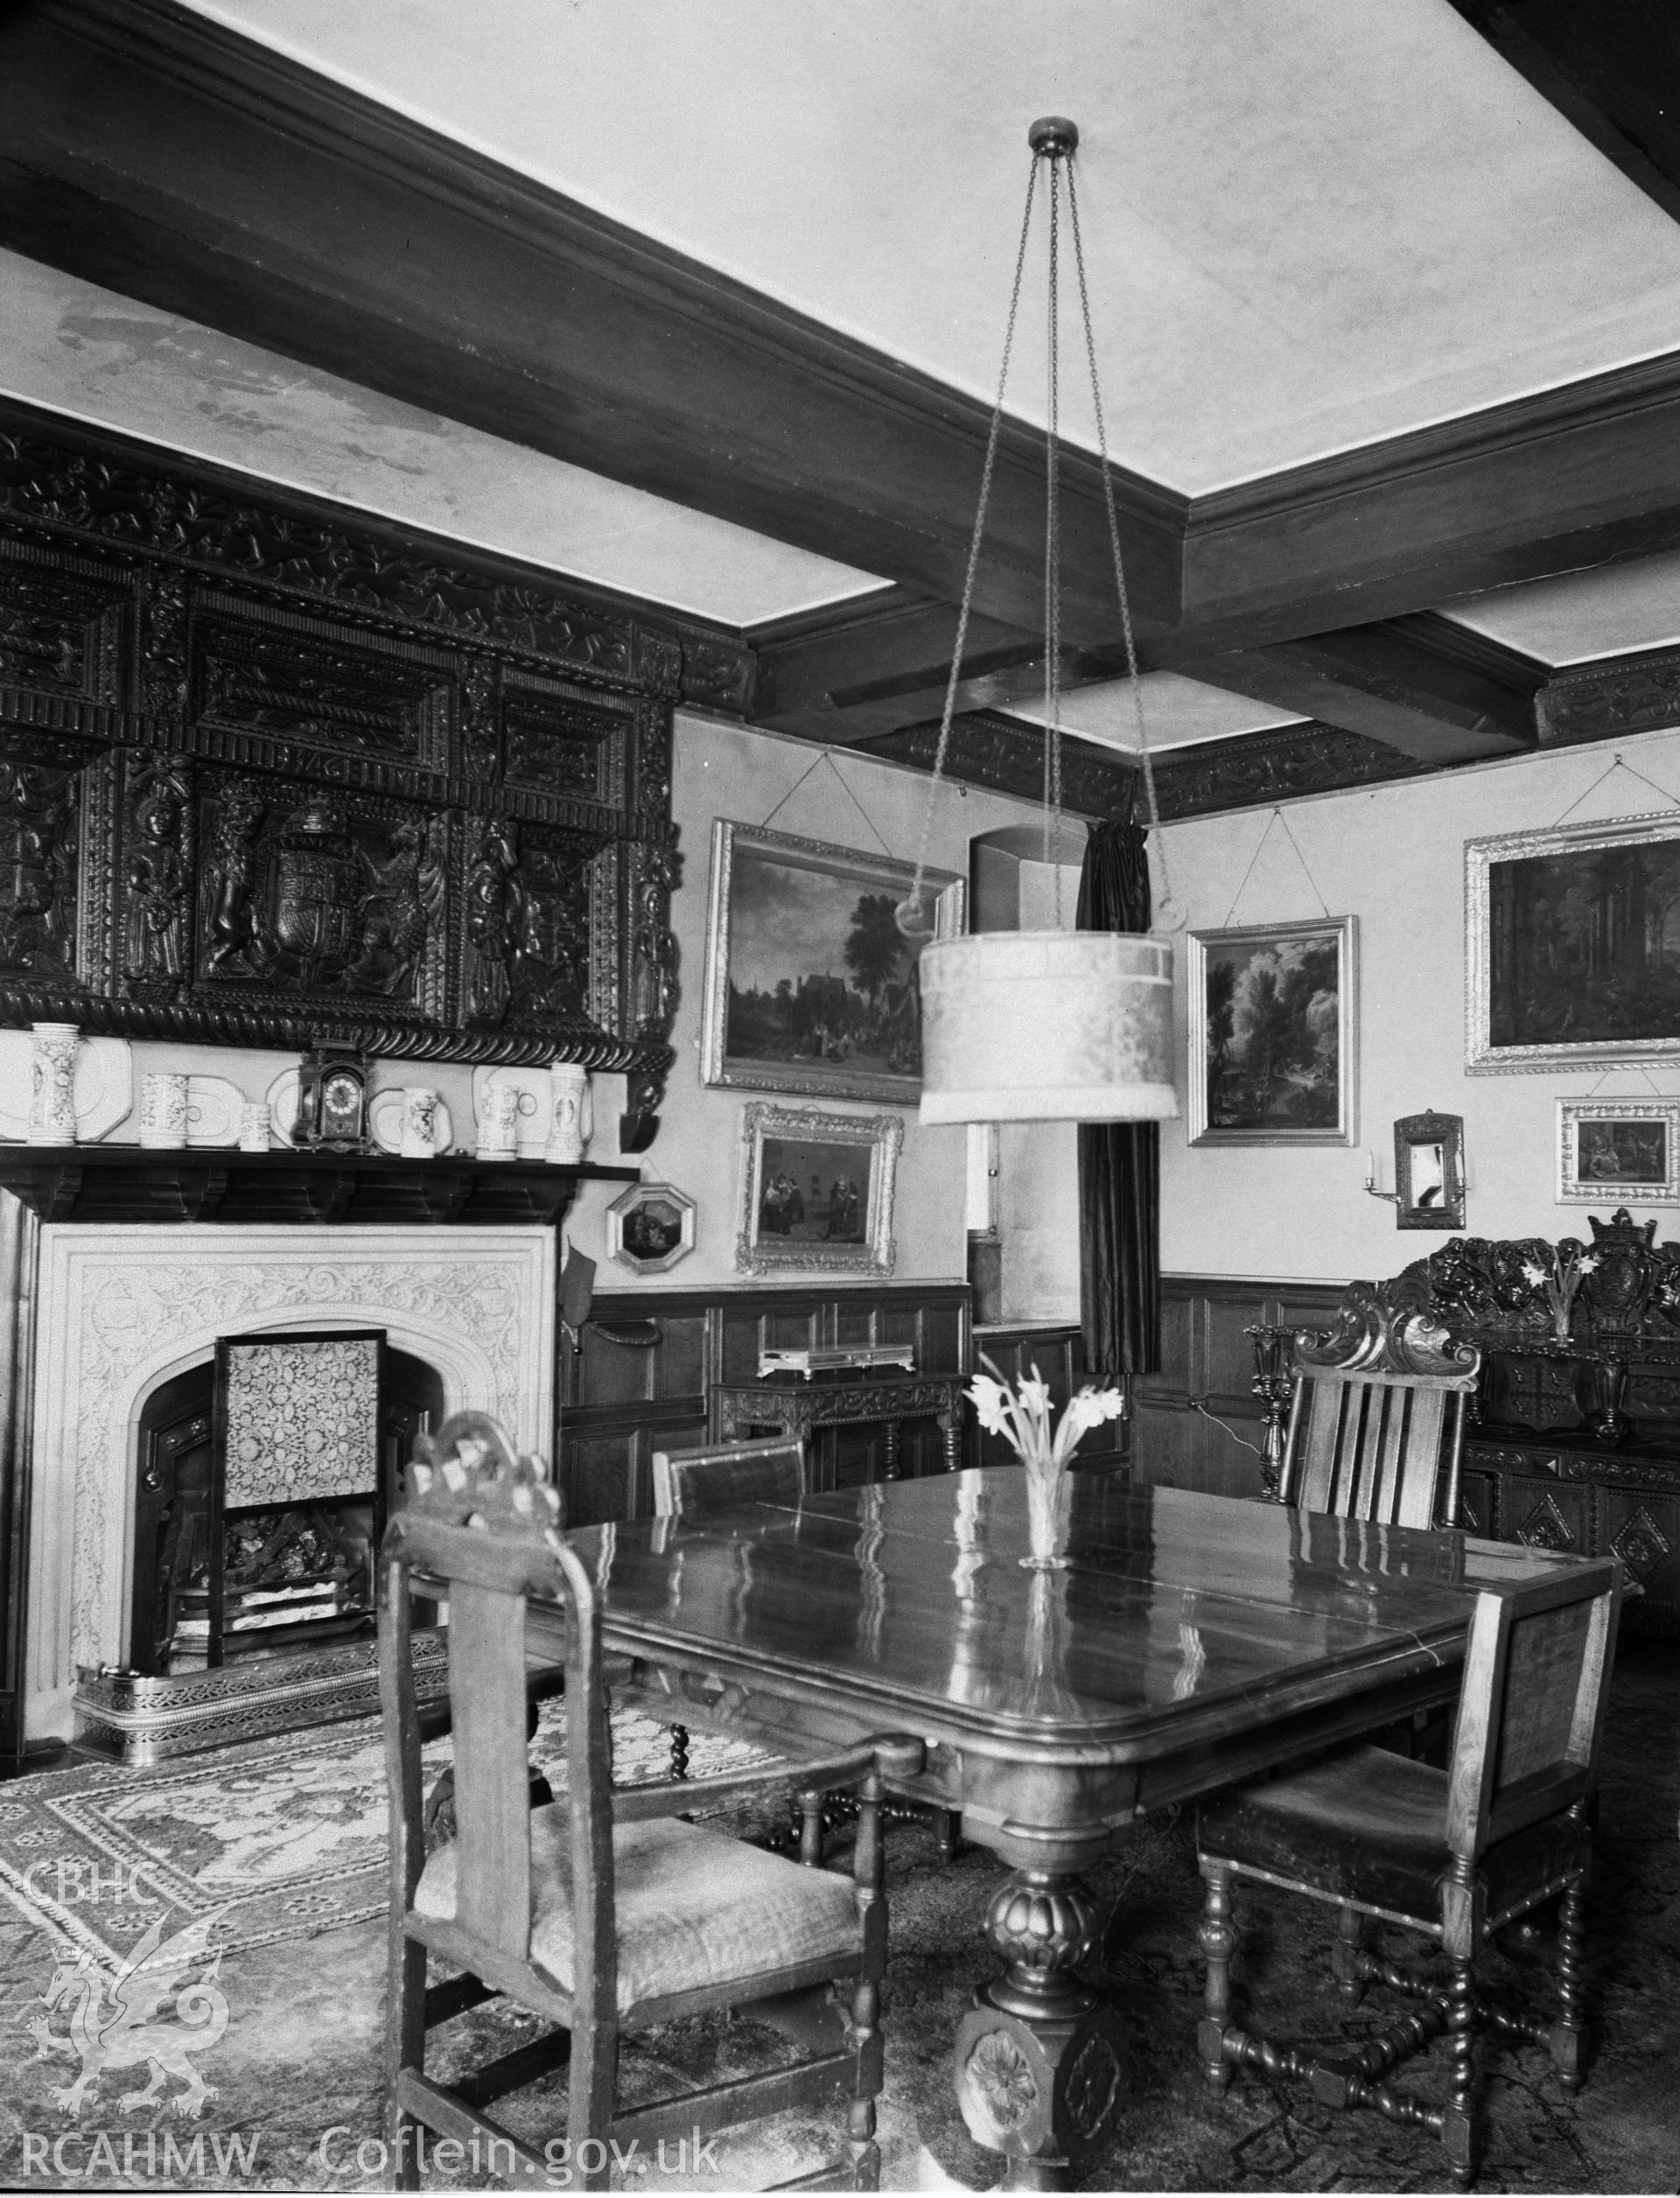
[789, 1405]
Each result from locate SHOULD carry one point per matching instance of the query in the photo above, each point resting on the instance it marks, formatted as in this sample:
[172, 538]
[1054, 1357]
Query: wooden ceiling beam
[1433, 690]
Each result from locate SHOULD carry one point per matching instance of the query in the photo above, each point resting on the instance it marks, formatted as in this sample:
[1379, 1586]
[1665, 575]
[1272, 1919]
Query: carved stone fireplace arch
[123, 1308]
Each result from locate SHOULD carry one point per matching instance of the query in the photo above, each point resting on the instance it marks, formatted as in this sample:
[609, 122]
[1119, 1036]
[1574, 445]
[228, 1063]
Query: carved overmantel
[271, 772]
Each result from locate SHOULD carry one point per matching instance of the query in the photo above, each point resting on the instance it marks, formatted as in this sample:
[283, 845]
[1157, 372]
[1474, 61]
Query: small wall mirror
[1429, 1170]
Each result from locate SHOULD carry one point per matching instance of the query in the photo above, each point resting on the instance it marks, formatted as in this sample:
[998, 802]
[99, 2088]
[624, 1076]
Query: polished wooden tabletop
[1192, 1637]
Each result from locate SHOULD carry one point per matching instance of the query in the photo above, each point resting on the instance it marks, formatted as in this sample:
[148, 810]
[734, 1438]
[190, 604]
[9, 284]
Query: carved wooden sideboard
[1575, 1440]
[271, 772]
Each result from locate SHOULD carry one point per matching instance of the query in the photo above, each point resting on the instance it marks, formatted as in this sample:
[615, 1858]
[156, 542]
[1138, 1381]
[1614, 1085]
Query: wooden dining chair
[715, 1477]
[718, 1476]
[1377, 1426]
[603, 1913]
[1453, 1854]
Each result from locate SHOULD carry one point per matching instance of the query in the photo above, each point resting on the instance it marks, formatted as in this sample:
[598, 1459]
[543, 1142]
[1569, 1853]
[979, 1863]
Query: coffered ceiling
[701, 300]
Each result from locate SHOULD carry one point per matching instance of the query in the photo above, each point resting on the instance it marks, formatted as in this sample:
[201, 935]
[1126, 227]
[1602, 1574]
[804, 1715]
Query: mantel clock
[331, 1100]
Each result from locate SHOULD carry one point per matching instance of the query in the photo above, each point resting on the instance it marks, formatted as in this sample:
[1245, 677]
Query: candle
[1370, 1168]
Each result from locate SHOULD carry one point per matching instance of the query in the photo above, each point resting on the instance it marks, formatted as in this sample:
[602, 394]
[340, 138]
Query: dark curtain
[1119, 1162]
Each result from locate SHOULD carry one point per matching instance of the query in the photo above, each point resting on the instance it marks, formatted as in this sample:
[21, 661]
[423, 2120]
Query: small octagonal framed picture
[650, 1227]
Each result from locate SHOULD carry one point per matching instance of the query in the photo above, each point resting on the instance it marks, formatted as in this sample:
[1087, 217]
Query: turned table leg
[1041, 2062]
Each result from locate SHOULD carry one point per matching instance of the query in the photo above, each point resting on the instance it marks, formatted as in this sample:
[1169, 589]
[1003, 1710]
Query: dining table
[1182, 1641]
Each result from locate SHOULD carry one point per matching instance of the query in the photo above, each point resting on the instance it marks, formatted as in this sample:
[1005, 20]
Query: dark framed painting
[1625, 1148]
[1572, 946]
[1272, 1033]
[650, 1227]
[811, 987]
[817, 1190]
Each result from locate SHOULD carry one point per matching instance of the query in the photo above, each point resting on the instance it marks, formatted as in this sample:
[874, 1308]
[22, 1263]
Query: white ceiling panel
[1576, 616]
[1176, 712]
[87, 351]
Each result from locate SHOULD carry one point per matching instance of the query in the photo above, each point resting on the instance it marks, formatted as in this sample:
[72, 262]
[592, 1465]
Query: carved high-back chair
[1376, 1427]
[1453, 1854]
[603, 1913]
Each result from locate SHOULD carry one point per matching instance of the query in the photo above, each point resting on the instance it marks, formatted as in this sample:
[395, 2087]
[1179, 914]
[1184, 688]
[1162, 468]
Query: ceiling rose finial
[1054, 135]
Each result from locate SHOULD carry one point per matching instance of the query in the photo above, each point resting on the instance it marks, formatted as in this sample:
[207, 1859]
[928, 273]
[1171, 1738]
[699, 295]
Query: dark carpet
[299, 2056]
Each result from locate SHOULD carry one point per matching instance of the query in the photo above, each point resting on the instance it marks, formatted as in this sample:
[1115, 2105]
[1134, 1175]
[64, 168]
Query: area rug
[278, 1840]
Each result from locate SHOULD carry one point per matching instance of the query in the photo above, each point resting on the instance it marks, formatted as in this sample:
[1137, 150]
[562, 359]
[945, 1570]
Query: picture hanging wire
[1615, 765]
[827, 757]
[1054, 142]
[1276, 817]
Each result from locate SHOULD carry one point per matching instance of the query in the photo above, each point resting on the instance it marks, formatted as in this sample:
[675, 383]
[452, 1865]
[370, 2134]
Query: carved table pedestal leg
[1041, 2063]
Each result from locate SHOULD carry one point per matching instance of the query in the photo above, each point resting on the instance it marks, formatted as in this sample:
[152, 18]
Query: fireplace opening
[264, 1477]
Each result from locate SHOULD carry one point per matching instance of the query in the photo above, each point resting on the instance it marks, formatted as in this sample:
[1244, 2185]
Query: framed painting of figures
[1611, 1149]
[811, 987]
[1272, 1033]
[1572, 946]
[817, 1190]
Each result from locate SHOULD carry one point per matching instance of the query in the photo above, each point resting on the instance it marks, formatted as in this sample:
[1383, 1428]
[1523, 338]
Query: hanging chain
[909, 912]
[1114, 542]
[1053, 564]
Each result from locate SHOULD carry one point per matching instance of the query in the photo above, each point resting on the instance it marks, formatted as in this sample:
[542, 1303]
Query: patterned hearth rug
[277, 1840]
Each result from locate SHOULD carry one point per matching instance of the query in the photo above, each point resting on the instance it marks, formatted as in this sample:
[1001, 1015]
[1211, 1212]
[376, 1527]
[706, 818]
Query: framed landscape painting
[1626, 1149]
[1272, 1033]
[1572, 946]
[817, 1190]
[811, 985]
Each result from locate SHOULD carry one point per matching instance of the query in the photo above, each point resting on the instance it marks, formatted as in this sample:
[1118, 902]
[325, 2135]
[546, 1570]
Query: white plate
[212, 1108]
[385, 1120]
[535, 1105]
[104, 1086]
[282, 1096]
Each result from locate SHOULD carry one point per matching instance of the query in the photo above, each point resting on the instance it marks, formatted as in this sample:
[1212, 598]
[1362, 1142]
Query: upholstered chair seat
[694, 1907]
[1368, 1829]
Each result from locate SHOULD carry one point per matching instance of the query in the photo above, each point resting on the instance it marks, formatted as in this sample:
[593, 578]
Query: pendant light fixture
[1045, 1025]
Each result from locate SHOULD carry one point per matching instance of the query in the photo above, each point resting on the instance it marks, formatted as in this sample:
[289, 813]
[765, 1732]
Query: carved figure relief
[654, 945]
[37, 863]
[162, 597]
[158, 873]
[491, 917]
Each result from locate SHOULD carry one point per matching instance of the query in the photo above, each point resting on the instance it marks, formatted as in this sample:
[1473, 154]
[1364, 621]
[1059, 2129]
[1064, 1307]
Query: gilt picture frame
[1572, 947]
[650, 1227]
[1273, 1027]
[818, 1190]
[1618, 1149]
[810, 987]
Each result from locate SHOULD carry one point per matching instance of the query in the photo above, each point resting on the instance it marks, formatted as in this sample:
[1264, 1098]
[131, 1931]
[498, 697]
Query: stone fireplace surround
[123, 1307]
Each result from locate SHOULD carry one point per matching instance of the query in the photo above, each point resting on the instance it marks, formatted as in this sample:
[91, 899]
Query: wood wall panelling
[270, 771]
[640, 1380]
[1206, 1357]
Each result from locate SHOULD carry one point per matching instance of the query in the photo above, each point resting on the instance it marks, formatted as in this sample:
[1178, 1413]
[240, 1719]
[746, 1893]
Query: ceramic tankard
[572, 1123]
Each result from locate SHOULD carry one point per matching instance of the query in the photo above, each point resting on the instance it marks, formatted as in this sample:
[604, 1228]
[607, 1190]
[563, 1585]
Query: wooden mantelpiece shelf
[127, 1183]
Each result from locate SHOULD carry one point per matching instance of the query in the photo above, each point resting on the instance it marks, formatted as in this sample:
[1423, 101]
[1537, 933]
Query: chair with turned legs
[605, 1913]
[1452, 1854]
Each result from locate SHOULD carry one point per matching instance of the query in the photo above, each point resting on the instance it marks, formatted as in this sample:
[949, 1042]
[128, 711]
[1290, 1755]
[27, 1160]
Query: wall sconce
[1428, 1171]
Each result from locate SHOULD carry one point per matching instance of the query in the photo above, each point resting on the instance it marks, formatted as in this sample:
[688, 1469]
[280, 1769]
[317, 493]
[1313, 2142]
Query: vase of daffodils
[1022, 1413]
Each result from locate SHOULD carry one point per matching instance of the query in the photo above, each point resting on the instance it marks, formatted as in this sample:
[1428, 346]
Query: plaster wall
[1393, 856]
